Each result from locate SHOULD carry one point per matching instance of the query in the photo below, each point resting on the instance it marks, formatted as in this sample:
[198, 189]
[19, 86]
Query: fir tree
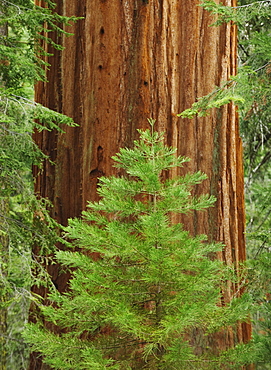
[22, 63]
[140, 283]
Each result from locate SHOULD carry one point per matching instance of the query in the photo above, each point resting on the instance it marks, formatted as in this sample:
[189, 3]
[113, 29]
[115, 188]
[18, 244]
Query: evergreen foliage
[24, 220]
[140, 283]
[220, 96]
[252, 84]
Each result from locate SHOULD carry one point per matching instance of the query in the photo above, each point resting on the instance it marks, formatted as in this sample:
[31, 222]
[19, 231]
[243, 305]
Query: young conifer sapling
[134, 305]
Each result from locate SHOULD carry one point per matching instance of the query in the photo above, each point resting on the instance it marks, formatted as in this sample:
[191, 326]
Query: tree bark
[130, 60]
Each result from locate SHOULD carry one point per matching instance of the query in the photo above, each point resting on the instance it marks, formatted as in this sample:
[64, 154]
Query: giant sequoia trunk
[133, 59]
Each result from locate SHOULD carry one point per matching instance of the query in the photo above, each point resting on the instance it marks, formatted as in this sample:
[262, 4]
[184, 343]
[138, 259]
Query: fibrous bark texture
[130, 60]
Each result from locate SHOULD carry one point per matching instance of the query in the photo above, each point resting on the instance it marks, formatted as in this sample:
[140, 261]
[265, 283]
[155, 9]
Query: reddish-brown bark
[127, 61]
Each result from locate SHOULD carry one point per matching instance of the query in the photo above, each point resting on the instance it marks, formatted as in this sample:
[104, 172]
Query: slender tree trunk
[4, 246]
[4, 250]
[127, 61]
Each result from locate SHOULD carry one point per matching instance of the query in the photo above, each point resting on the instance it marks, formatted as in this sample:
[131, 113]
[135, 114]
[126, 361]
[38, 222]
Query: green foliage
[252, 84]
[255, 130]
[217, 98]
[250, 89]
[25, 27]
[140, 283]
[246, 15]
[24, 220]
[224, 14]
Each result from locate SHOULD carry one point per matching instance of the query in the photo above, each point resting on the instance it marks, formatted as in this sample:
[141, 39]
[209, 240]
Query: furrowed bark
[128, 61]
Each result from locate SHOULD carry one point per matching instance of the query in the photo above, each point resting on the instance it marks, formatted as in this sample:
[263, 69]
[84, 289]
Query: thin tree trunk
[4, 246]
[127, 61]
[4, 251]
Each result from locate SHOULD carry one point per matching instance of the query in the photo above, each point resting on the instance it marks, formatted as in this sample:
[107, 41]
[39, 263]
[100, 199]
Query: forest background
[23, 216]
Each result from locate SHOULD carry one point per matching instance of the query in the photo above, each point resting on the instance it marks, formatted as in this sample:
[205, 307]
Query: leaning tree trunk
[127, 61]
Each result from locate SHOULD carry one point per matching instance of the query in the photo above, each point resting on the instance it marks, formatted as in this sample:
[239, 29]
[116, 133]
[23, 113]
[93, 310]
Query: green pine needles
[140, 283]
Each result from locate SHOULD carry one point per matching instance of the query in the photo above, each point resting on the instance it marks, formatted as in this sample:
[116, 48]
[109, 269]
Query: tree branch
[251, 4]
